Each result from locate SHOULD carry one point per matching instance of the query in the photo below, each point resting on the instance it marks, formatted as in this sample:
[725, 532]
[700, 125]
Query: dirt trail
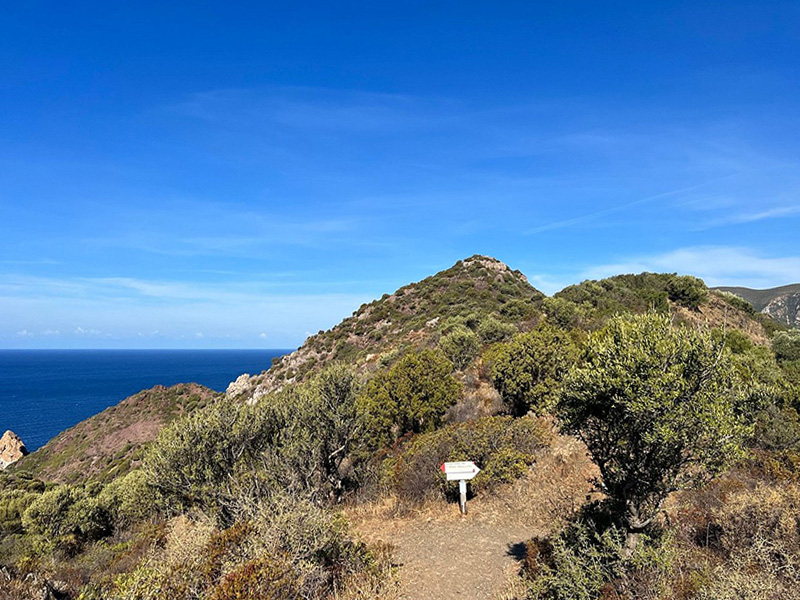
[464, 559]
[443, 555]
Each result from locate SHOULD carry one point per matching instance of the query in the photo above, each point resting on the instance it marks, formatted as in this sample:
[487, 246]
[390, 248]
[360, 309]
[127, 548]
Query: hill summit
[479, 288]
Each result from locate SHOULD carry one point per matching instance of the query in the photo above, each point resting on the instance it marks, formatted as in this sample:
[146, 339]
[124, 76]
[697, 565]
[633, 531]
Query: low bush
[502, 447]
[584, 561]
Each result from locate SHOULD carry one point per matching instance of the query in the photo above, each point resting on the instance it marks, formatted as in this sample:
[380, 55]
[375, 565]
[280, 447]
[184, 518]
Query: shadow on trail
[517, 551]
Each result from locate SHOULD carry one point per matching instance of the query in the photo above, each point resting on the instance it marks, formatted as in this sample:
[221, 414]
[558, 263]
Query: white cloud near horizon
[113, 312]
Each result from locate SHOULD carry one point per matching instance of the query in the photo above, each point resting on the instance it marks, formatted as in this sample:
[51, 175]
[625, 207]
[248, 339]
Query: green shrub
[412, 396]
[13, 504]
[460, 346]
[492, 330]
[313, 452]
[66, 516]
[528, 370]
[129, 499]
[584, 561]
[229, 453]
[517, 310]
[687, 291]
[786, 345]
[736, 302]
[194, 459]
[660, 409]
[502, 447]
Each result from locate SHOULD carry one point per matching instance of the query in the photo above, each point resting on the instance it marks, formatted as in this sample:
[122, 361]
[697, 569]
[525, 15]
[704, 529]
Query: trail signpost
[461, 471]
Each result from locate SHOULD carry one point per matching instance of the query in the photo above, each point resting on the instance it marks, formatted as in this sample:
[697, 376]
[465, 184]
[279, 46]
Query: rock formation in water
[11, 449]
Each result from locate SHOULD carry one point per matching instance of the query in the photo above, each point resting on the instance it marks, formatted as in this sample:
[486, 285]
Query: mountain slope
[780, 303]
[589, 304]
[414, 316]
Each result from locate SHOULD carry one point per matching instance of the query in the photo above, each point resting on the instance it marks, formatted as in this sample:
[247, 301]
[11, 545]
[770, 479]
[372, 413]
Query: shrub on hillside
[460, 346]
[659, 408]
[194, 460]
[786, 345]
[67, 516]
[13, 504]
[492, 330]
[230, 453]
[686, 290]
[412, 396]
[313, 452]
[736, 302]
[584, 561]
[528, 370]
[502, 447]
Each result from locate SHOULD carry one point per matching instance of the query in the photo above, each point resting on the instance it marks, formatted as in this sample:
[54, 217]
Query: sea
[44, 392]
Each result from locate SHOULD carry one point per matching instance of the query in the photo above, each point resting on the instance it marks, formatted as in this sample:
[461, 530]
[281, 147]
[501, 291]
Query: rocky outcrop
[785, 309]
[782, 304]
[11, 449]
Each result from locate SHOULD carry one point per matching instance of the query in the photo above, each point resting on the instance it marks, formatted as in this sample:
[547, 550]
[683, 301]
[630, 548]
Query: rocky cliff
[785, 309]
[11, 449]
[781, 304]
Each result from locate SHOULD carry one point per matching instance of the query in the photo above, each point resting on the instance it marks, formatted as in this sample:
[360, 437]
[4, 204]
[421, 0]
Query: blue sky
[207, 175]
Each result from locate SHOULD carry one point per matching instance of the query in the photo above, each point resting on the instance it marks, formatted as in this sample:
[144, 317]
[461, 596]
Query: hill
[480, 292]
[780, 303]
[589, 304]
[106, 445]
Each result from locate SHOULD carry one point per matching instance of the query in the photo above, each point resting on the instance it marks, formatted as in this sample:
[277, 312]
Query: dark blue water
[44, 392]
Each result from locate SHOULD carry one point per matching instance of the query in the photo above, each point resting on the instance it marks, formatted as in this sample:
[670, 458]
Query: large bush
[230, 453]
[195, 460]
[658, 408]
[67, 516]
[786, 345]
[412, 396]
[528, 370]
[461, 346]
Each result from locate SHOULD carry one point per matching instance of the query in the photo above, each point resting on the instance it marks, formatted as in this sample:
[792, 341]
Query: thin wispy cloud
[275, 189]
[772, 213]
[592, 216]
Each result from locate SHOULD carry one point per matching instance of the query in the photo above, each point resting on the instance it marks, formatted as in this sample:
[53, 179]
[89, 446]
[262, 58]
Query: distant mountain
[780, 303]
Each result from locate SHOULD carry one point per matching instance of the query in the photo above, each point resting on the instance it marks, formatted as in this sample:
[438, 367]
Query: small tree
[657, 408]
[460, 346]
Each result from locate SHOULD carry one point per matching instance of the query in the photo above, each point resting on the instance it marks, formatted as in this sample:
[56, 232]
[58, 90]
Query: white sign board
[465, 469]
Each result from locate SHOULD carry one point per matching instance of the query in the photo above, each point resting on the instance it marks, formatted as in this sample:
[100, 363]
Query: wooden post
[461, 471]
[462, 490]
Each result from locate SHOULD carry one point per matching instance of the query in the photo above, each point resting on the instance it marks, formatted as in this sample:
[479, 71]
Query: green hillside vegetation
[684, 403]
[479, 295]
